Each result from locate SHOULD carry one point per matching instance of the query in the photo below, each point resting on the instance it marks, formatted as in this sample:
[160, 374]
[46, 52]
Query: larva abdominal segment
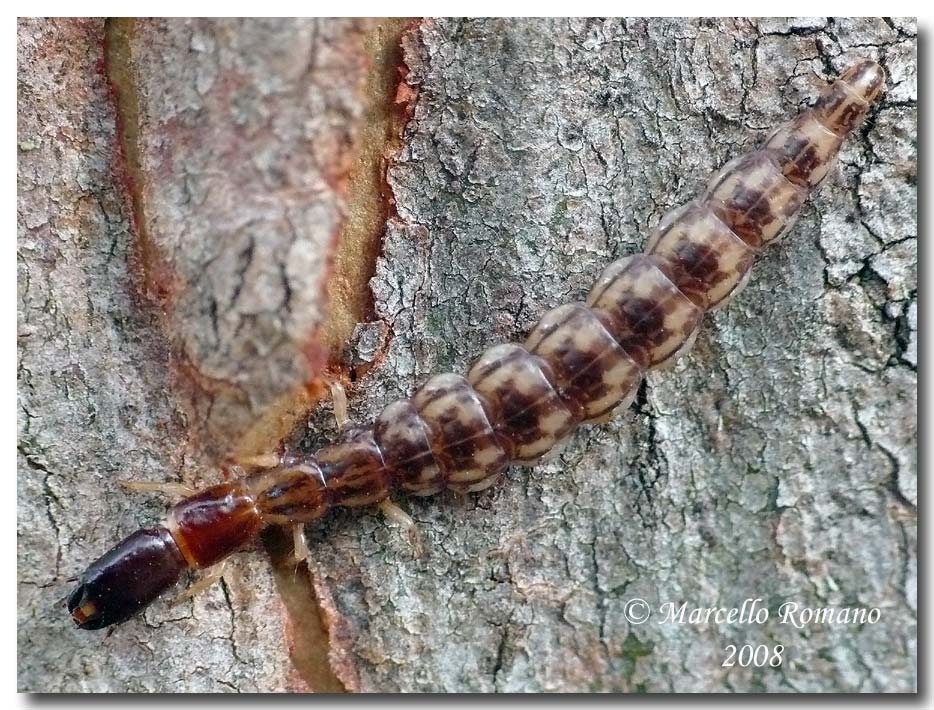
[518, 401]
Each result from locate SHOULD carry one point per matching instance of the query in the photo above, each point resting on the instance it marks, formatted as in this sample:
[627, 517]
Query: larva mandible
[579, 364]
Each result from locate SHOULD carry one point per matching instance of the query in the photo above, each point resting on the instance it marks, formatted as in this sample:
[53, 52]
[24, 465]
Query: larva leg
[181, 490]
[299, 544]
[173, 490]
[398, 516]
[214, 574]
[339, 399]
[260, 461]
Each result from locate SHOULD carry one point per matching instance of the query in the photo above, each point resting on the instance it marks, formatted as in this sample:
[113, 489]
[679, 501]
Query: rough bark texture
[272, 108]
[181, 187]
[776, 461]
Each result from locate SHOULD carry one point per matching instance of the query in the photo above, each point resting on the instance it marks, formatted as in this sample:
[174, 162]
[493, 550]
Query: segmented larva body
[580, 364]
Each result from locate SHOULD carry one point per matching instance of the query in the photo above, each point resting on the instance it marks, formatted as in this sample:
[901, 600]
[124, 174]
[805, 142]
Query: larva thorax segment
[212, 524]
[295, 492]
[579, 364]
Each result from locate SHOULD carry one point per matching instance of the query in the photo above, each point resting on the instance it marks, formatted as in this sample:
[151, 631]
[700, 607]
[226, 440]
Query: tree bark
[777, 461]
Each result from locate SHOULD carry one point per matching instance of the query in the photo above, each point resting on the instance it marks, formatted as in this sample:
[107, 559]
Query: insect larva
[579, 364]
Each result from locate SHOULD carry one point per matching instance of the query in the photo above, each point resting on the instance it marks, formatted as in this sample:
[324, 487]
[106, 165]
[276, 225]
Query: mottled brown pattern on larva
[805, 149]
[643, 310]
[525, 406]
[353, 469]
[754, 198]
[842, 106]
[865, 78]
[840, 109]
[403, 438]
[584, 362]
[699, 254]
[290, 494]
[593, 374]
[467, 449]
[579, 363]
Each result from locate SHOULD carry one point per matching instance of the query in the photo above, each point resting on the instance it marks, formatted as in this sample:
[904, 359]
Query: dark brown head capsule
[126, 579]
[202, 530]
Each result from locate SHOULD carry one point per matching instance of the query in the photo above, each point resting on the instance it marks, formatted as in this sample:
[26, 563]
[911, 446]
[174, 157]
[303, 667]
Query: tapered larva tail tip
[845, 103]
[865, 78]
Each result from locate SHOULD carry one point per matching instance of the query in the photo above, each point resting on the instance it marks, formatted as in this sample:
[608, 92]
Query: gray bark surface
[776, 461]
[241, 145]
[171, 278]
